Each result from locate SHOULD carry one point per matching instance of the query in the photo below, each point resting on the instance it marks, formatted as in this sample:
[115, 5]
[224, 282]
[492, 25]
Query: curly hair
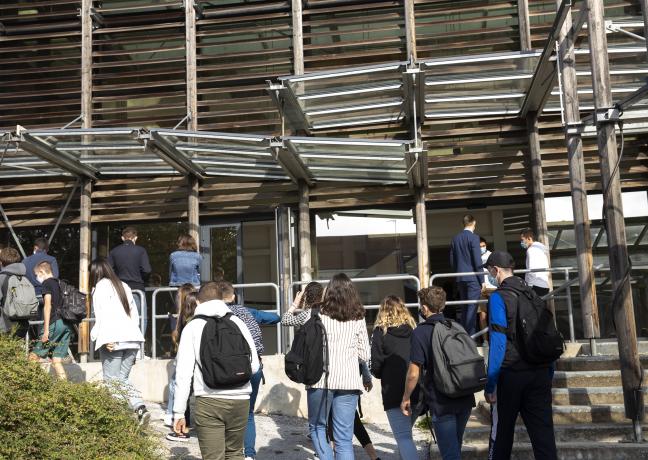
[312, 295]
[393, 313]
[341, 300]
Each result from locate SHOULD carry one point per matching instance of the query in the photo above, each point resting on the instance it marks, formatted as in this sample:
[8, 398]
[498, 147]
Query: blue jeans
[449, 430]
[401, 426]
[142, 312]
[250, 430]
[116, 366]
[343, 403]
[169, 410]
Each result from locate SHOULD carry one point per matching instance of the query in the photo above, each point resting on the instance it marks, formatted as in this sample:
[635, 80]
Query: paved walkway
[285, 438]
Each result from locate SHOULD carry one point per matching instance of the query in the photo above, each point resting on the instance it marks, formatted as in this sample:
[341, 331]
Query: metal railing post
[143, 315]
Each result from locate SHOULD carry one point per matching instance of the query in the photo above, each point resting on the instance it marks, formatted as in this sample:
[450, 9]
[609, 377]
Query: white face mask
[40, 279]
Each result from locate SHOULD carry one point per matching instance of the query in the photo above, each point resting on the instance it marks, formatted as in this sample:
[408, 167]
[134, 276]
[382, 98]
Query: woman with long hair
[185, 307]
[300, 310]
[390, 351]
[116, 333]
[184, 263]
[342, 315]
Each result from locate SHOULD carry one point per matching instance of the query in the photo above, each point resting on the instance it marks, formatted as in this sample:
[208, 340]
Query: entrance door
[221, 247]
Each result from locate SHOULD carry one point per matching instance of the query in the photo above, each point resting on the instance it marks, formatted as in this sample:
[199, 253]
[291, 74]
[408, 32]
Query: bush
[45, 418]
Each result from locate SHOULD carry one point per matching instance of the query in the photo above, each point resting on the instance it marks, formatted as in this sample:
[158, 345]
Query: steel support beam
[288, 158]
[173, 157]
[417, 168]
[63, 211]
[289, 107]
[12, 231]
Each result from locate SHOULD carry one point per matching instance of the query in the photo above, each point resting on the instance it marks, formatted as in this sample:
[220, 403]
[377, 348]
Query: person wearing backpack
[39, 254]
[55, 333]
[346, 344]
[216, 350]
[519, 382]
[450, 413]
[116, 334]
[10, 266]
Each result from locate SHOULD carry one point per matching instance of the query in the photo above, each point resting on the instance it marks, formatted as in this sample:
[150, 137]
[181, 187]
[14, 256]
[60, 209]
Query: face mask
[523, 244]
[40, 279]
[482, 250]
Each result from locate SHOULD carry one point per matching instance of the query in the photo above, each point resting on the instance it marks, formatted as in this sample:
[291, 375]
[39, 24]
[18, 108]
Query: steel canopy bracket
[288, 158]
[164, 149]
[417, 167]
[289, 107]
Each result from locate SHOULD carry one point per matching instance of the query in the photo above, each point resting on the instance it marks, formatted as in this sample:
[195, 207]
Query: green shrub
[44, 418]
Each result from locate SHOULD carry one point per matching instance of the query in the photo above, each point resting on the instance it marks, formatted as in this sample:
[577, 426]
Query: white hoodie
[189, 355]
[536, 257]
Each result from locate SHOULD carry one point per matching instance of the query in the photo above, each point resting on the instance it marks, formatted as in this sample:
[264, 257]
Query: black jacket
[390, 354]
[131, 264]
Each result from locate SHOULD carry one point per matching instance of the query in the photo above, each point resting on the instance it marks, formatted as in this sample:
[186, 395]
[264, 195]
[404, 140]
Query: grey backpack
[20, 300]
[458, 368]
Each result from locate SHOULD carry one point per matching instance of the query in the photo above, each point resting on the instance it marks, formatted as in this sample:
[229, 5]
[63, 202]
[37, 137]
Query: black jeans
[528, 393]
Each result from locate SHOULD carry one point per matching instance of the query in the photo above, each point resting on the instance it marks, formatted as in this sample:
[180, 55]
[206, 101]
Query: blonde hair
[392, 313]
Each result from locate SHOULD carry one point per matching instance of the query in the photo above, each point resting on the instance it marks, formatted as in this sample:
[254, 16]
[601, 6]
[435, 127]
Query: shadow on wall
[281, 399]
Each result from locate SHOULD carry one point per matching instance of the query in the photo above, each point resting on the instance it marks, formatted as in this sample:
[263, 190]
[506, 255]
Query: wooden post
[297, 37]
[285, 267]
[313, 243]
[86, 63]
[85, 249]
[422, 249]
[577, 183]
[539, 214]
[524, 25]
[190, 57]
[410, 30]
[622, 307]
[305, 265]
[194, 208]
[644, 12]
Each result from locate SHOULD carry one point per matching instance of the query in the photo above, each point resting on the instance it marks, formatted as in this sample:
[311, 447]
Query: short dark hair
[468, 219]
[187, 243]
[9, 256]
[42, 244]
[214, 290]
[528, 233]
[482, 240]
[129, 232]
[433, 297]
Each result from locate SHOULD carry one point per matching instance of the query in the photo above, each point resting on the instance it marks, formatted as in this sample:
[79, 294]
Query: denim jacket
[184, 267]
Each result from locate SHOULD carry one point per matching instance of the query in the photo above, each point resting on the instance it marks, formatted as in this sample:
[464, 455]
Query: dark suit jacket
[465, 255]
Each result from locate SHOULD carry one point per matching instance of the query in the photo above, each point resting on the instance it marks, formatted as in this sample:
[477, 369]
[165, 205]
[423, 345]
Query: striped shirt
[252, 325]
[348, 344]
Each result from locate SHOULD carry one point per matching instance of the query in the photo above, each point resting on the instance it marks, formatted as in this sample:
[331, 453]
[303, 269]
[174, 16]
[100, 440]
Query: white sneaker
[168, 420]
[249, 458]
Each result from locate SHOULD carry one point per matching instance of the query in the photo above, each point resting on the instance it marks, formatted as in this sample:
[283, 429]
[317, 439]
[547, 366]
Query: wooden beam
[297, 37]
[422, 249]
[644, 13]
[86, 63]
[410, 31]
[577, 183]
[193, 204]
[622, 307]
[305, 263]
[85, 251]
[190, 57]
[524, 25]
[284, 263]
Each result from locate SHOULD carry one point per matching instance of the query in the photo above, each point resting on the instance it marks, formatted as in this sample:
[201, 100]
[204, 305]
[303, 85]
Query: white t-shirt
[487, 278]
[536, 257]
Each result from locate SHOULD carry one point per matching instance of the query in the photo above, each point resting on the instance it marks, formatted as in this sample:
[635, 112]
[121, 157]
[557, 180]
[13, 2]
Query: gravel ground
[281, 437]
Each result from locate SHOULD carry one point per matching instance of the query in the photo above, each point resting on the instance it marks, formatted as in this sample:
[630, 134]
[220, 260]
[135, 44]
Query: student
[536, 257]
[220, 414]
[252, 323]
[390, 354]
[466, 258]
[10, 265]
[55, 333]
[39, 254]
[131, 264]
[184, 263]
[116, 333]
[449, 415]
[514, 386]
[186, 305]
[342, 315]
[488, 286]
[299, 311]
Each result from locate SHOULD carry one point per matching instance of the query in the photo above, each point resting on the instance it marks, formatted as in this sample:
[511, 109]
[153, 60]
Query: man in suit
[465, 256]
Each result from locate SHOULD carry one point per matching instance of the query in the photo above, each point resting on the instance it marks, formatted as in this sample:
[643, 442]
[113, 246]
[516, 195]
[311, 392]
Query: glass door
[221, 247]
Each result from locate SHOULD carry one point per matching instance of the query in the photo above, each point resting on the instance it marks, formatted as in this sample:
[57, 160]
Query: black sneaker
[173, 436]
[143, 416]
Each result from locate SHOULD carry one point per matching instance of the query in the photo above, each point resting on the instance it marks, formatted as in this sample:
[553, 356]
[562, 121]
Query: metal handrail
[370, 280]
[155, 316]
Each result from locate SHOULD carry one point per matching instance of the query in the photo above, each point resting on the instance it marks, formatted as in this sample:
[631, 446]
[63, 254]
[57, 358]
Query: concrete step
[566, 451]
[588, 396]
[587, 379]
[594, 363]
[595, 432]
[611, 348]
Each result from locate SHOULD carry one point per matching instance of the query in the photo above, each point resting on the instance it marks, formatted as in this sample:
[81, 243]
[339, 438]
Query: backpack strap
[5, 286]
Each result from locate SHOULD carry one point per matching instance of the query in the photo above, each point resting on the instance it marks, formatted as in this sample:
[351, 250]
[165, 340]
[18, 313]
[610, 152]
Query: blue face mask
[524, 245]
[483, 250]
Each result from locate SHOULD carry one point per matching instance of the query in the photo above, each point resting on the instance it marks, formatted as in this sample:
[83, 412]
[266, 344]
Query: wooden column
[285, 266]
[193, 204]
[410, 30]
[524, 25]
[86, 63]
[85, 250]
[623, 311]
[297, 37]
[422, 249]
[305, 264]
[313, 242]
[539, 214]
[190, 57]
[644, 12]
[577, 183]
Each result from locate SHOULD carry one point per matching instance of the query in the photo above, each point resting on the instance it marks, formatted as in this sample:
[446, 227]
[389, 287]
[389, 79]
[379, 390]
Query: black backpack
[307, 359]
[224, 353]
[535, 333]
[73, 303]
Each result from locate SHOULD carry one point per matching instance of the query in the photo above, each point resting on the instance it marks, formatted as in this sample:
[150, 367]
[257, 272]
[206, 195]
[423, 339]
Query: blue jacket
[131, 264]
[465, 256]
[264, 317]
[184, 267]
[32, 261]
